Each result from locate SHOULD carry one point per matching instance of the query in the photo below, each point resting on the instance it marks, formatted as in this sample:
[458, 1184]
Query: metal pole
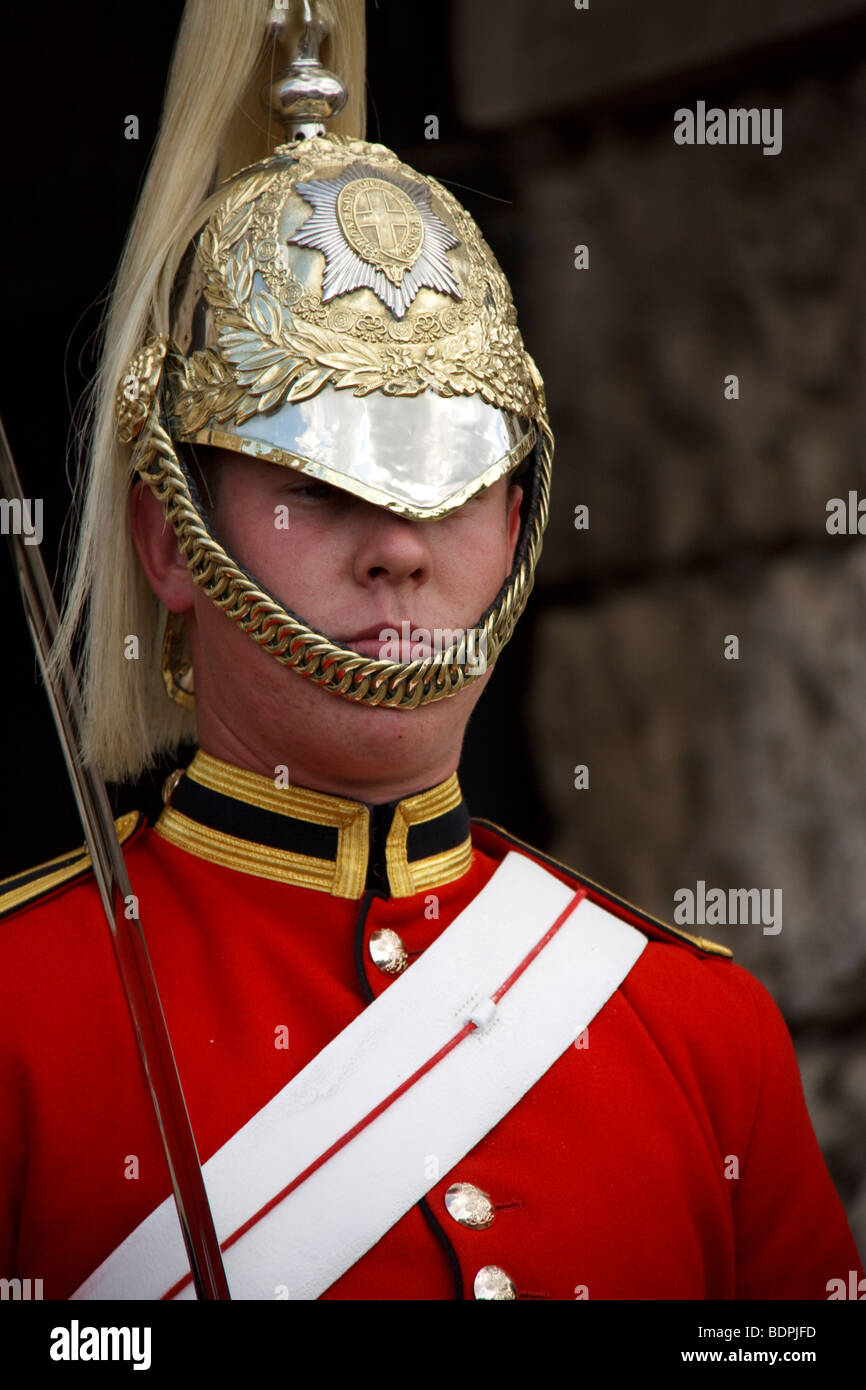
[130, 948]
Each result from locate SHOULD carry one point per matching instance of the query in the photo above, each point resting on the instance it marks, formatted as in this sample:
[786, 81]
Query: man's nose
[393, 547]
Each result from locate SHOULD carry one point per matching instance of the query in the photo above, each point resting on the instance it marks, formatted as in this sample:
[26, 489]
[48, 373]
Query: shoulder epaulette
[619, 906]
[23, 889]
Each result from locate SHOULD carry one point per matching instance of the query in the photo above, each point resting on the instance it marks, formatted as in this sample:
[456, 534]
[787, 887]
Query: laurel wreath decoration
[137, 388]
[265, 356]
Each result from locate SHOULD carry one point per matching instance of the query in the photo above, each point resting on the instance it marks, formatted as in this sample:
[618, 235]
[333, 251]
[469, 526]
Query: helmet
[338, 313]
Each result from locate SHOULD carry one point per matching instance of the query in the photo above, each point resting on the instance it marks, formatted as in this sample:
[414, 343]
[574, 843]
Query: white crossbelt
[312, 1236]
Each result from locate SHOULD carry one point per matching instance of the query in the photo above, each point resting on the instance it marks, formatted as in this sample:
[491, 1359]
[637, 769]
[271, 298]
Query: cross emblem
[382, 219]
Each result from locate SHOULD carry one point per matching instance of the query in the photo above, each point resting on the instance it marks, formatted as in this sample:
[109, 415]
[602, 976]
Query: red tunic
[669, 1157]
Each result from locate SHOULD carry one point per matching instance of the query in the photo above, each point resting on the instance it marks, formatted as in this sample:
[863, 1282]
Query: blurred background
[707, 515]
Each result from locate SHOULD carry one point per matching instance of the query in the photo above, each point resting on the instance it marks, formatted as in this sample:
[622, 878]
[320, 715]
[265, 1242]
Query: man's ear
[512, 523]
[157, 548]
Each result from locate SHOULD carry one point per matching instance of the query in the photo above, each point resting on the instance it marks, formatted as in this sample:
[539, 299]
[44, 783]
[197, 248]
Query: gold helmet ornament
[338, 313]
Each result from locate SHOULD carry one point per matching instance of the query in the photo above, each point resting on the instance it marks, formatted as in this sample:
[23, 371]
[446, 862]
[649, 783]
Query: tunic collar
[311, 839]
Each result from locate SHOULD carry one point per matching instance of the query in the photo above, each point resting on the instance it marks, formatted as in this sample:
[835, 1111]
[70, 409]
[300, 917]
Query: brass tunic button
[470, 1206]
[388, 952]
[493, 1282]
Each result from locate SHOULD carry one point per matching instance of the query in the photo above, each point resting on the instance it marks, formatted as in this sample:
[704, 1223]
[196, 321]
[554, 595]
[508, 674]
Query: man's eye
[315, 490]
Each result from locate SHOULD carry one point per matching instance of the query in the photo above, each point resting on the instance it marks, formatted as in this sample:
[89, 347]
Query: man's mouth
[391, 641]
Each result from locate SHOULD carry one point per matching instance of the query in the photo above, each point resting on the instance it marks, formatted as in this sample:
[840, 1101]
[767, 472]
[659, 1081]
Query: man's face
[347, 568]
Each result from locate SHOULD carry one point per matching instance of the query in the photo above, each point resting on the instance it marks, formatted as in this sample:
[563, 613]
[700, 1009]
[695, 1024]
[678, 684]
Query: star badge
[377, 233]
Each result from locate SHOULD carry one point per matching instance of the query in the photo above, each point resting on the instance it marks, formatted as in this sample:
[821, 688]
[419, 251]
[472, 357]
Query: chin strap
[392, 684]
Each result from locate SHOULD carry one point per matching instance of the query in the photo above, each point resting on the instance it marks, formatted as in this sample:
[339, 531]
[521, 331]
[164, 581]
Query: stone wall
[707, 515]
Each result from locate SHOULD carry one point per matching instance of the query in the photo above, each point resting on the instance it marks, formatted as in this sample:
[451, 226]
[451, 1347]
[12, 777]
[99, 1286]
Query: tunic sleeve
[13, 1159]
[792, 1235]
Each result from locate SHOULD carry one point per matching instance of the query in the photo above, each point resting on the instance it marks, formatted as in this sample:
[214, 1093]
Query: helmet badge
[377, 233]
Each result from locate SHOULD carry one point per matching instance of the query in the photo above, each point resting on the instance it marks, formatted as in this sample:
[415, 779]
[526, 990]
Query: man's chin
[336, 744]
[372, 754]
[353, 735]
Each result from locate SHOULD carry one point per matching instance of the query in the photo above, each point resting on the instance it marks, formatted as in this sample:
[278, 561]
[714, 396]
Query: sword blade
[127, 936]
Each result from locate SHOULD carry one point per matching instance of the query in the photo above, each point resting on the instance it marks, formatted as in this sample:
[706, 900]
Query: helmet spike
[306, 94]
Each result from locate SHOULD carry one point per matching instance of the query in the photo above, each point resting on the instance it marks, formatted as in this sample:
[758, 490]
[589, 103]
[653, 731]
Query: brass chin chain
[393, 684]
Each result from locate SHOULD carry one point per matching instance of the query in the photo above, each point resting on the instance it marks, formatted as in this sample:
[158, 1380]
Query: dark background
[707, 517]
[73, 181]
